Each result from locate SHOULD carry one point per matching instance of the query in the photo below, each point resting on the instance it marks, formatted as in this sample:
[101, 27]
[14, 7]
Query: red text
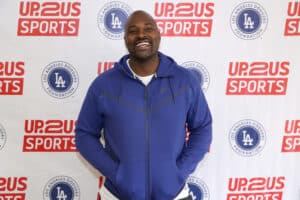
[104, 66]
[49, 18]
[292, 23]
[257, 78]
[291, 138]
[49, 136]
[11, 77]
[257, 188]
[13, 188]
[184, 18]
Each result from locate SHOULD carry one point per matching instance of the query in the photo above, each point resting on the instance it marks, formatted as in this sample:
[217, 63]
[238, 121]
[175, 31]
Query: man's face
[142, 37]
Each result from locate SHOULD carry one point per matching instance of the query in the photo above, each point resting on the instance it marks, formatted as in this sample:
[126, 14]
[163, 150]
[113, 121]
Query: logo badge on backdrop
[292, 21]
[200, 72]
[13, 187]
[198, 189]
[2, 137]
[49, 18]
[291, 137]
[61, 187]
[184, 19]
[52, 135]
[60, 79]
[258, 78]
[112, 18]
[104, 66]
[12, 77]
[249, 20]
[247, 137]
[256, 188]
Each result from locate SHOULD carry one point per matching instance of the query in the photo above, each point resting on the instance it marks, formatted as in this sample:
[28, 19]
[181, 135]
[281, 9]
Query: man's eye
[132, 31]
[149, 29]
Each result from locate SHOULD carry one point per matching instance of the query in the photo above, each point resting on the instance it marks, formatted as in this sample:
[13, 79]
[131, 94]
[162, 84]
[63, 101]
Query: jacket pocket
[168, 180]
[130, 180]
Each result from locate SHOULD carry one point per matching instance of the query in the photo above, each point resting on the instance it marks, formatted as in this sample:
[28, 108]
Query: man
[143, 106]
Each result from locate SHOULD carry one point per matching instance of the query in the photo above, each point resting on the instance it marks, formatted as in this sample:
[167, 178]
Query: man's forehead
[141, 18]
[140, 23]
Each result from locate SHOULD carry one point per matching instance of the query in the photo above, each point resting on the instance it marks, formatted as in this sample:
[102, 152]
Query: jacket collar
[165, 67]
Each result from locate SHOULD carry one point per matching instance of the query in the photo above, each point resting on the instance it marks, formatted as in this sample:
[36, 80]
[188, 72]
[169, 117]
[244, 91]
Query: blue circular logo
[112, 18]
[64, 190]
[198, 189]
[3, 137]
[200, 72]
[247, 137]
[61, 187]
[60, 79]
[249, 20]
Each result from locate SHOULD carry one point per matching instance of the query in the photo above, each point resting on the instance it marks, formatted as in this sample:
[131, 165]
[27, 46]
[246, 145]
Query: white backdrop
[247, 54]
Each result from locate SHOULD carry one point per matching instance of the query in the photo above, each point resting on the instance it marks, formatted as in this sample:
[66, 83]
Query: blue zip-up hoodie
[145, 156]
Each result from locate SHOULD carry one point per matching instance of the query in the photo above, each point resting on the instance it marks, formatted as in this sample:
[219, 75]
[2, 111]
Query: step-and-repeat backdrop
[246, 53]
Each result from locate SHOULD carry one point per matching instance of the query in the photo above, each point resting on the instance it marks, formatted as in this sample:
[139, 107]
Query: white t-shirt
[145, 79]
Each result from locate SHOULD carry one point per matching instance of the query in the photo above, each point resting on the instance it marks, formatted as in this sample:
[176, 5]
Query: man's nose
[141, 33]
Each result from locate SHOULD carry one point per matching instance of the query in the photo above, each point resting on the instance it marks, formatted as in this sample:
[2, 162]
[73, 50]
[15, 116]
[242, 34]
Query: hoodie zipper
[147, 145]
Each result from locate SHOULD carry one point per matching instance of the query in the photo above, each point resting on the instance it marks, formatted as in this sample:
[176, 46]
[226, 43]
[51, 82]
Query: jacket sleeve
[199, 124]
[87, 136]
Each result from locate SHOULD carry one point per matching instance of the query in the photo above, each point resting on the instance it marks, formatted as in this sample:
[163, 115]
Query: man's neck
[144, 67]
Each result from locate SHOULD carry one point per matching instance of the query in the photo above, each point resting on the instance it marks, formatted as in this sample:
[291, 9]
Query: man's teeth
[142, 44]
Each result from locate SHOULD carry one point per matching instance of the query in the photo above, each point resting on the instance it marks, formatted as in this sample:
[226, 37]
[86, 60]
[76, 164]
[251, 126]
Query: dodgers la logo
[2, 137]
[60, 79]
[200, 72]
[112, 18]
[247, 137]
[198, 189]
[248, 20]
[61, 188]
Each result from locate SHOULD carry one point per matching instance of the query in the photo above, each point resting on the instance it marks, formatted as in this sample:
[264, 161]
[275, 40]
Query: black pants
[187, 198]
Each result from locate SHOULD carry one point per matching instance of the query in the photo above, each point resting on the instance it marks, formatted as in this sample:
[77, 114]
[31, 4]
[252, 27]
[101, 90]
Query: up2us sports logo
[257, 77]
[184, 19]
[13, 188]
[52, 135]
[256, 188]
[12, 77]
[292, 23]
[104, 66]
[291, 137]
[49, 18]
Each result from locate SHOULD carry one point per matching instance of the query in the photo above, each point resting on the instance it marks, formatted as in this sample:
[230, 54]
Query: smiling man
[142, 40]
[143, 107]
